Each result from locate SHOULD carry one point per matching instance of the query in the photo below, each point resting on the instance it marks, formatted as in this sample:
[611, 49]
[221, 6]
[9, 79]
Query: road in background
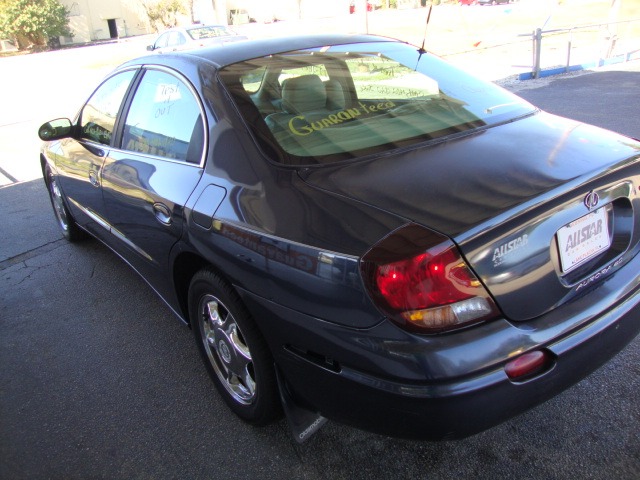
[99, 380]
[608, 99]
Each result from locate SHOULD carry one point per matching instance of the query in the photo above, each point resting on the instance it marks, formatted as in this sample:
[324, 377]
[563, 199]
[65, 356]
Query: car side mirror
[151, 48]
[56, 129]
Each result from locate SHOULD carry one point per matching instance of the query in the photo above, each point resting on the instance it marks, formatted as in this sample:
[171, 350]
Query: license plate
[583, 239]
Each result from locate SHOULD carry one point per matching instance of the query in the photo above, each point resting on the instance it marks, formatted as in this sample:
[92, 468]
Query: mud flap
[303, 423]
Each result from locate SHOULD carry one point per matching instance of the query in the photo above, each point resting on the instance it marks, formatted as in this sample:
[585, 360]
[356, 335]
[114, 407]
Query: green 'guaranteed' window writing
[299, 125]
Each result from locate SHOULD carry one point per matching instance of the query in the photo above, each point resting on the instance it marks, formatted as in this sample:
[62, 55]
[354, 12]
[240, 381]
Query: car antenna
[421, 50]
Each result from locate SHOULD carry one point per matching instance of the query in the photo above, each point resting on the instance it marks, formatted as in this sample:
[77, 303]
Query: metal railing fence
[585, 44]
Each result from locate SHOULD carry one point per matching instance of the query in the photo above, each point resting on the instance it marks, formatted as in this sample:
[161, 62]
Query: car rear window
[333, 103]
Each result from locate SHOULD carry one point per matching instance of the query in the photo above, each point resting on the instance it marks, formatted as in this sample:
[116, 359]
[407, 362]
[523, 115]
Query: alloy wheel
[58, 204]
[227, 350]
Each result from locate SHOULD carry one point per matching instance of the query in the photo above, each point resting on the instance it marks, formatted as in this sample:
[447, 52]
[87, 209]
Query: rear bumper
[449, 386]
[458, 408]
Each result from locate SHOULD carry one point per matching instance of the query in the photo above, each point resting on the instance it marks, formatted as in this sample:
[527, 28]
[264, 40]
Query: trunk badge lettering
[507, 249]
[598, 275]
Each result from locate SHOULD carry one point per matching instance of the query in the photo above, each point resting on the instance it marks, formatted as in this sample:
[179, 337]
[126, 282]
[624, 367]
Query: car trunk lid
[542, 208]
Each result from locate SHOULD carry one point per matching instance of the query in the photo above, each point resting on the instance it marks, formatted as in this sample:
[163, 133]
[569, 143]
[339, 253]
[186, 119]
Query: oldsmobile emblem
[591, 200]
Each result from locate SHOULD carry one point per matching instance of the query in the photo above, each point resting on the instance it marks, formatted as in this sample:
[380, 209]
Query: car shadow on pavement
[26, 217]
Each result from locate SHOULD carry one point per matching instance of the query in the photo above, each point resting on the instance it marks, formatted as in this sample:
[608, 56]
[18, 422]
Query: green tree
[164, 14]
[33, 22]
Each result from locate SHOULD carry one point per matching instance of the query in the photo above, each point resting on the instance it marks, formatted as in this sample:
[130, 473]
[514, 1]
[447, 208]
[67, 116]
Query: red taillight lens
[430, 288]
[425, 280]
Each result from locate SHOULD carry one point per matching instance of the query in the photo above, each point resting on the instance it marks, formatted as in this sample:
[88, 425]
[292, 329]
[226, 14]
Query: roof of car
[246, 50]
[205, 25]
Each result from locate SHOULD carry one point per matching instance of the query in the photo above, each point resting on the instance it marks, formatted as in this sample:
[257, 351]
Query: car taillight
[419, 279]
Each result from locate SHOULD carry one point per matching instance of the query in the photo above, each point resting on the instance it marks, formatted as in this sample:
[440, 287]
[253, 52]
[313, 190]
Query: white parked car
[183, 38]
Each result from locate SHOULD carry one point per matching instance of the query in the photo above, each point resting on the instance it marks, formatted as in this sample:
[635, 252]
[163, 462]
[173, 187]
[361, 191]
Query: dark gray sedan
[356, 230]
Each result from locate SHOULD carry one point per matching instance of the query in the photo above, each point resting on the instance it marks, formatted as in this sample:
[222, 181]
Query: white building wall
[266, 11]
[89, 19]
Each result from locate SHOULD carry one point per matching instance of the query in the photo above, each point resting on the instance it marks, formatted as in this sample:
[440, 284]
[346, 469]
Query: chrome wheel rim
[227, 350]
[58, 204]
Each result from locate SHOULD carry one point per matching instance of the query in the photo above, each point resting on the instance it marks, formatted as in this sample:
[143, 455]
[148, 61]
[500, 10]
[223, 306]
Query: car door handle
[93, 179]
[98, 152]
[162, 213]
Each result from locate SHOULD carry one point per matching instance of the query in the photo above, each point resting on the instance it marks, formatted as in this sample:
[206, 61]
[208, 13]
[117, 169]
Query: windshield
[328, 104]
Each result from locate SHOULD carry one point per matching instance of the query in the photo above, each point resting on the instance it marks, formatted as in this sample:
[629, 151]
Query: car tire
[66, 222]
[235, 353]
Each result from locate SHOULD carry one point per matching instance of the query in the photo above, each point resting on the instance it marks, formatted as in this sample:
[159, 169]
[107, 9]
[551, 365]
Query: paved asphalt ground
[99, 381]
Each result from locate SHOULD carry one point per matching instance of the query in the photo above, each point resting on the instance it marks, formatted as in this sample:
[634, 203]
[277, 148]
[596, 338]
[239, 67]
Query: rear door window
[164, 119]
